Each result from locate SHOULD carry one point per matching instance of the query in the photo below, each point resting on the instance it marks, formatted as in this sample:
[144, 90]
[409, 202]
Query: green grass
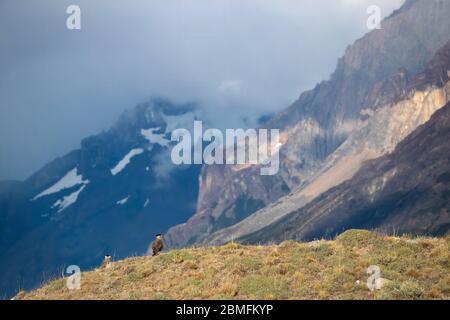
[411, 268]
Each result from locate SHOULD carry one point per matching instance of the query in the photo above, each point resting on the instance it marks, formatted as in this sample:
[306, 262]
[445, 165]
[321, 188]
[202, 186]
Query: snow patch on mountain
[72, 178]
[123, 201]
[68, 200]
[153, 137]
[126, 160]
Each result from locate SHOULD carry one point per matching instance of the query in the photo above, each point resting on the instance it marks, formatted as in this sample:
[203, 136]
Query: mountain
[407, 191]
[381, 131]
[334, 269]
[118, 189]
[108, 197]
[323, 131]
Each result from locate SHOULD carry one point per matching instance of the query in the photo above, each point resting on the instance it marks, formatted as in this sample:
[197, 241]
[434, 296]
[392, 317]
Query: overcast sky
[237, 58]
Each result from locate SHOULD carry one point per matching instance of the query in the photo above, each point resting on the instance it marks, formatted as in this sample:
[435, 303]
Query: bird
[157, 245]
[106, 262]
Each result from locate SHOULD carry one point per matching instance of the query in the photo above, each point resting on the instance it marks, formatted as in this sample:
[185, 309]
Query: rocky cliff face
[372, 74]
[407, 191]
[108, 197]
[379, 134]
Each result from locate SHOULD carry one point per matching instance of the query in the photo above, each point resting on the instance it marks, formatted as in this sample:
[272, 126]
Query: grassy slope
[417, 269]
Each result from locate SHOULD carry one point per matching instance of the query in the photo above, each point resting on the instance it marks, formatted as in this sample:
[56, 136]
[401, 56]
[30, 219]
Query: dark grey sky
[236, 57]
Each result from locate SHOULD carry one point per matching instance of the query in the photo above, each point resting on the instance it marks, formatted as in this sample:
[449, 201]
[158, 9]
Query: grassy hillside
[416, 268]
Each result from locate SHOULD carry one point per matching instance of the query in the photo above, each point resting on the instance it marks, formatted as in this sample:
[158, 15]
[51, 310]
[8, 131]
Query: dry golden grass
[412, 268]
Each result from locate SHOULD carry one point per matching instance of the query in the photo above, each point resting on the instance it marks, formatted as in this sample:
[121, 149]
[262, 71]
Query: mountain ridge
[77, 208]
[323, 118]
[382, 194]
[383, 129]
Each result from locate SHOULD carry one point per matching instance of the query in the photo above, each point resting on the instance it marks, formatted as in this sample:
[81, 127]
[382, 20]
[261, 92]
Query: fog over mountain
[237, 59]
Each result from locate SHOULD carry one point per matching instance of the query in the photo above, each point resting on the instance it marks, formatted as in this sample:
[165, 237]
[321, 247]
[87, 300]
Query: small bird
[106, 262]
[157, 245]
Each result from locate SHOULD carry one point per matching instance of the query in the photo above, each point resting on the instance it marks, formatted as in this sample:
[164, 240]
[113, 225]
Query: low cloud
[237, 59]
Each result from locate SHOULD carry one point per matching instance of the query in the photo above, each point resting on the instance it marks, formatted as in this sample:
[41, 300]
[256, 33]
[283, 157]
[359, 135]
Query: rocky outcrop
[407, 191]
[378, 134]
[372, 74]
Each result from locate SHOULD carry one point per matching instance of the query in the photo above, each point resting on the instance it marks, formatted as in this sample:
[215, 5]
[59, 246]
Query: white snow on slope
[123, 201]
[68, 200]
[185, 121]
[153, 137]
[72, 178]
[126, 160]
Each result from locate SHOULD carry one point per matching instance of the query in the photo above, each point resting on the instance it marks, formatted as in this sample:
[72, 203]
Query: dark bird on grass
[157, 245]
